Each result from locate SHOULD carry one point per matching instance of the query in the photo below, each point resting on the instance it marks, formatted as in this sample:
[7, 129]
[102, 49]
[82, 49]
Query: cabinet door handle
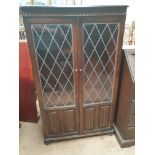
[80, 70]
[76, 70]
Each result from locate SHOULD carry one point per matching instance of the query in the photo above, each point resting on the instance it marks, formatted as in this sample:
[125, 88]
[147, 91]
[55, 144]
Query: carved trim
[47, 11]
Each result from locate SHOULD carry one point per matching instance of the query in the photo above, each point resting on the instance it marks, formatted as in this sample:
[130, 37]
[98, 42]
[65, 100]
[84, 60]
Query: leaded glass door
[56, 57]
[99, 46]
[76, 55]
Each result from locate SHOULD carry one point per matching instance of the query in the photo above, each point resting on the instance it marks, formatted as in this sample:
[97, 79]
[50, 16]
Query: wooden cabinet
[125, 113]
[76, 54]
[27, 99]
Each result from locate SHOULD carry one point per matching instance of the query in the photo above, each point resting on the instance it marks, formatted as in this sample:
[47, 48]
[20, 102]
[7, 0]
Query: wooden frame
[124, 123]
[75, 16]
[117, 60]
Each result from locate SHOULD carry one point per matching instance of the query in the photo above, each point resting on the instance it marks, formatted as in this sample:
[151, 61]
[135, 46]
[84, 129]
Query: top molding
[47, 11]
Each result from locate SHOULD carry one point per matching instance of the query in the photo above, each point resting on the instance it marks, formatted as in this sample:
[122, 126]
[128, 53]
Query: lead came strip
[95, 33]
[61, 91]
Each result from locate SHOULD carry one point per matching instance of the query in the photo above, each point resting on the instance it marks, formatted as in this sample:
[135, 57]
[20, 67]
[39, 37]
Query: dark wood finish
[27, 99]
[55, 11]
[125, 115]
[79, 119]
[117, 60]
[122, 142]
[45, 119]
[107, 131]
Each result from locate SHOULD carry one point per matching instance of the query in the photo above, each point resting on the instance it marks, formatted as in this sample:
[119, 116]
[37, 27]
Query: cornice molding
[47, 11]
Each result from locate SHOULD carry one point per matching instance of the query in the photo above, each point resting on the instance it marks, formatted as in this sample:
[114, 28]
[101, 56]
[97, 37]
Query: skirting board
[122, 142]
[50, 140]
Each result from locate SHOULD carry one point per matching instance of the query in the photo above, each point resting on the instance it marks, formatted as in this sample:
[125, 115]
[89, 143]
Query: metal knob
[80, 70]
[76, 70]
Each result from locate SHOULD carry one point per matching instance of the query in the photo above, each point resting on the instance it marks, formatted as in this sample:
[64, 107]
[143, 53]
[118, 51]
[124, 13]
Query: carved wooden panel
[96, 117]
[89, 118]
[104, 116]
[55, 122]
[69, 120]
[62, 121]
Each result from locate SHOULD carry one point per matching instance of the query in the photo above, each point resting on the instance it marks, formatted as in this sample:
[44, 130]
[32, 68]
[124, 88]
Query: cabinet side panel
[132, 108]
[117, 66]
[124, 100]
[131, 122]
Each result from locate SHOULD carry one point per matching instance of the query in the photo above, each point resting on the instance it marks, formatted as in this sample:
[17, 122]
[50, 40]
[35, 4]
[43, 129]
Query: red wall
[27, 105]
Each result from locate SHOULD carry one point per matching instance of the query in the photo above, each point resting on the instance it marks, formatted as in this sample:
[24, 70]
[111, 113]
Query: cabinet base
[50, 140]
[122, 142]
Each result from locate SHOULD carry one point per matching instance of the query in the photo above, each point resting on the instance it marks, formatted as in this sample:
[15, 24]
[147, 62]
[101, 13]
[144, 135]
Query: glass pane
[99, 59]
[53, 47]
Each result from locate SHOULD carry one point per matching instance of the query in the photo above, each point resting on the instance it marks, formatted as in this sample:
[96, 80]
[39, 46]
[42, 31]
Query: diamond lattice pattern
[99, 61]
[53, 47]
